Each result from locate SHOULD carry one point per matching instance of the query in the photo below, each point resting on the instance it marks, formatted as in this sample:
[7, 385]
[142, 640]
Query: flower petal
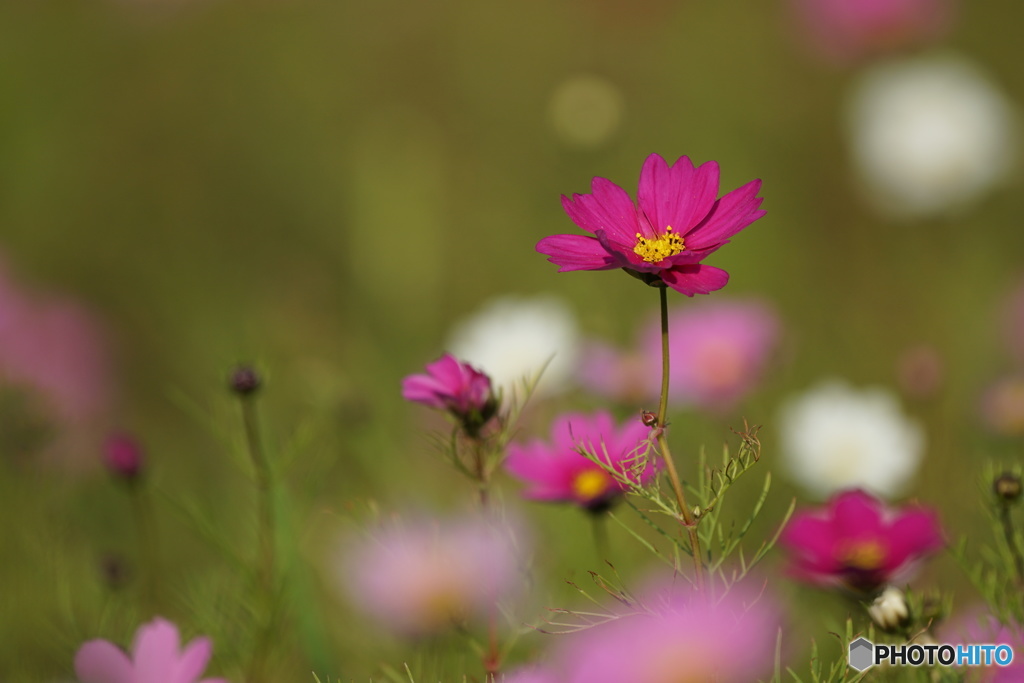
[576, 252]
[914, 533]
[728, 216]
[695, 278]
[156, 650]
[608, 207]
[100, 661]
[193, 660]
[680, 196]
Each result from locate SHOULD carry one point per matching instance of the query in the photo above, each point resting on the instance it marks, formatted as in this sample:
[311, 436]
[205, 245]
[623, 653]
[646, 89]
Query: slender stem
[261, 469]
[492, 659]
[480, 464]
[266, 530]
[1011, 541]
[149, 547]
[670, 467]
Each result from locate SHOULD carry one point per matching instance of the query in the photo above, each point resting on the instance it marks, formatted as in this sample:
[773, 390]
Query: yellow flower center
[866, 555]
[590, 484]
[660, 248]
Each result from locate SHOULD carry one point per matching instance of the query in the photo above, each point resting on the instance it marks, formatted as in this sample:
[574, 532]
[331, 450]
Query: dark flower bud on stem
[245, 380]
[1007, 487]
[123, 457]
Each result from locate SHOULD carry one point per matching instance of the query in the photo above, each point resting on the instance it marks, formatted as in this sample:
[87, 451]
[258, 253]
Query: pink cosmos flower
[843, 30]
[677, 223]
[457, 387]
[423, 577]
[156, 657]
[859, 544]
[679, 636]
[557, 471]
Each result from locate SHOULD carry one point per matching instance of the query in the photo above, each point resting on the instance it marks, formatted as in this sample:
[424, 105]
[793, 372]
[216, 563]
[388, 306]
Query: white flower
[929, 134]
[835, 437]
[889, 610]
[512, 339]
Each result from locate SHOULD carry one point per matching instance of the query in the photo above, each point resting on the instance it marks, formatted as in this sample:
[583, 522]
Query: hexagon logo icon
[862, 654]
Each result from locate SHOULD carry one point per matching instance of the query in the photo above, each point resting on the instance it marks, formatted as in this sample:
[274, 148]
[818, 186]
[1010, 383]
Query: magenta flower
[421, 578]
[677, 224]
[978, 626]
[123, 456]
[678, 636]
[843, 30]
[457, 387]
[557, 471]
[859, 544]
[156, 657]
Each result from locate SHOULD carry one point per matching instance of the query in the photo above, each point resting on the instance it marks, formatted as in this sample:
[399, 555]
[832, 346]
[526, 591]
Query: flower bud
[1007, 486]
[245, 380]
[889, 610]
[649, 418]
[123, 457]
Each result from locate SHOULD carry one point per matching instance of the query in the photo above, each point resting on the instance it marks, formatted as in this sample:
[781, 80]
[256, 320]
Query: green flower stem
[149, 552]
[1011, 541]
[670, 467]
[266, 561]
[482, 475]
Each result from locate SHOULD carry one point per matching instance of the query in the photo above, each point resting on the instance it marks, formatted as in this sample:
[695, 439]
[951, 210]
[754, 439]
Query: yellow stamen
[867, 555]
[590, 484]
[660, 248]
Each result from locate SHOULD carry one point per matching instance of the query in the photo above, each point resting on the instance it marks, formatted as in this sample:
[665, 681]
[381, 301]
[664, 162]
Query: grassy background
[325, 187]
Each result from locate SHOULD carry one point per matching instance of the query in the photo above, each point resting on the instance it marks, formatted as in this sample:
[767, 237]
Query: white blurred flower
[889, 610]
[929, 134]
[512, 339]
[585, 110]
[835, 437]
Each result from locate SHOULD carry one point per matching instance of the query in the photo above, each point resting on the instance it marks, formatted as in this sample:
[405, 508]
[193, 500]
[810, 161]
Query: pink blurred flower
[844, 30]
[557, 471]
[718, 353]
[1002, 406]
[457, 387]
[978, 626]
[156, 657]
[1013, 324]
[423, 577]
[678, 636]
[123, 456]
[677, 224]
[859, 544]
[51, 352]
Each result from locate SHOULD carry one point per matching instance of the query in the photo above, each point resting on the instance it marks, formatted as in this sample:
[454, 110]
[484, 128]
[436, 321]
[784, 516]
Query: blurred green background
[323, 188]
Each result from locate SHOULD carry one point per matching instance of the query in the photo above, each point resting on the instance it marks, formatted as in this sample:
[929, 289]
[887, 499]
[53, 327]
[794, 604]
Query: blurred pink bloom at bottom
[980, 627]
[423, 577]
[156, 657]
[683, 637]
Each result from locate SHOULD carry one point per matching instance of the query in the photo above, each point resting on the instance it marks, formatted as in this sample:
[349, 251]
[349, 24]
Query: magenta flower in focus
[682, 637]
[456, 387]
[677, 223]
[859, 544]
[421, 578]
[843, 30]
[556, 471]
[156, 657]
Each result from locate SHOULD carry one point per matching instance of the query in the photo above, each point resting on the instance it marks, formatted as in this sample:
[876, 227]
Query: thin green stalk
[670, 467]
[149, 553]
[1011, 541]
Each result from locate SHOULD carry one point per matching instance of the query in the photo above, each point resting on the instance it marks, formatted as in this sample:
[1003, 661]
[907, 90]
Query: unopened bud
[889, 610]
[1007, 486]
[648, 418]
[123, 456]
[245, 380]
